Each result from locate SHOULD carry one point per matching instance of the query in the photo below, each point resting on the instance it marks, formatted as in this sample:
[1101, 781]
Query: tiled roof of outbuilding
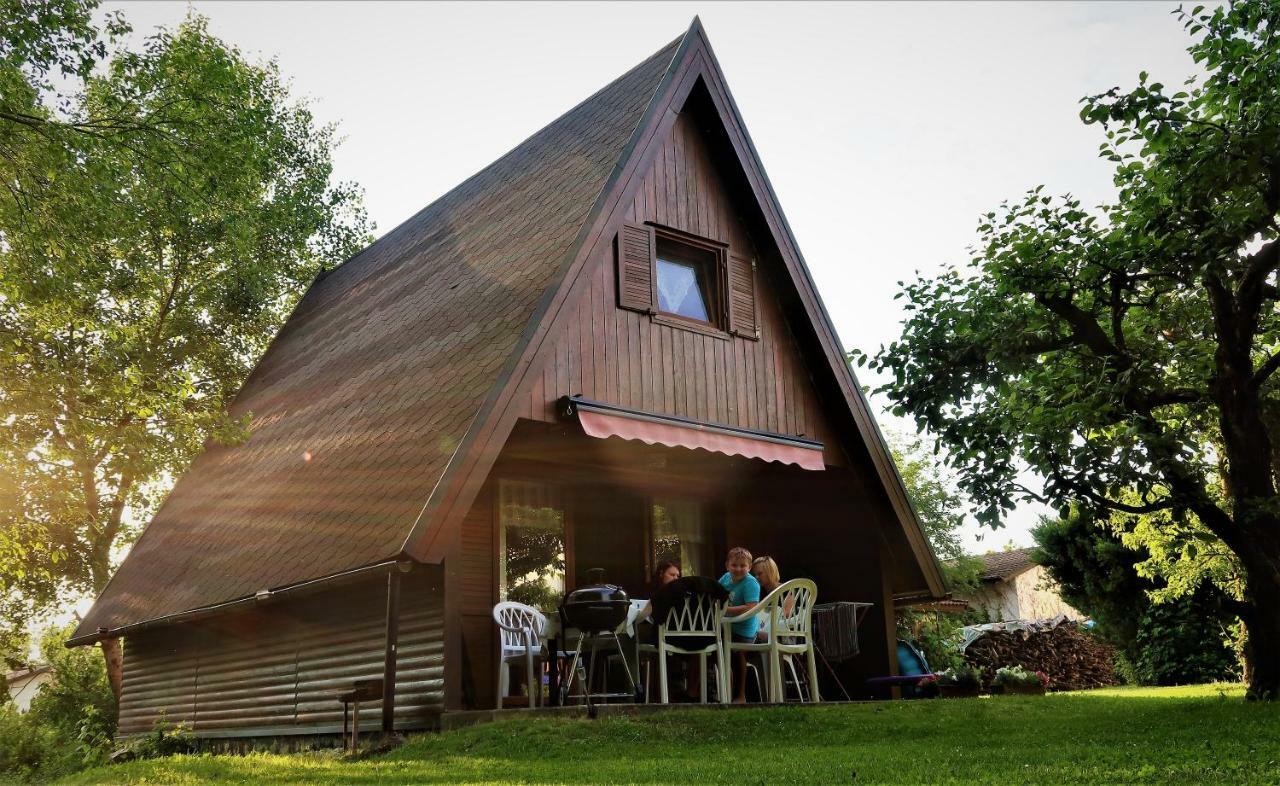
[372, 383]
[1000, 565]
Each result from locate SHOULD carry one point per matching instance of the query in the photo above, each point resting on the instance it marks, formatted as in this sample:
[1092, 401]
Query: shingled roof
[363, 397]
[377, 406]
[1003, 565]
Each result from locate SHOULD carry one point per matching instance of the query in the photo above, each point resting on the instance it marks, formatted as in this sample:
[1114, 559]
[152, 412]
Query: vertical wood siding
[477, 592]
[624, 357]
[276, 670]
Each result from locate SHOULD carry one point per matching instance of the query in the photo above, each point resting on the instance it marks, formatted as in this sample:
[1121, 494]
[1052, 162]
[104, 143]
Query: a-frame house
[602, 350]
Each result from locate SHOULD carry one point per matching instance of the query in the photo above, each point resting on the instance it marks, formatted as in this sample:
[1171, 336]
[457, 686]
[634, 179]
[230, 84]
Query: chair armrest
[529, 635]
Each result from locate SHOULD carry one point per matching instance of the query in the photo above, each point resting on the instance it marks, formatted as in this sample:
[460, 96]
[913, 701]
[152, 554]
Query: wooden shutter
[742, 297]
[635, 267]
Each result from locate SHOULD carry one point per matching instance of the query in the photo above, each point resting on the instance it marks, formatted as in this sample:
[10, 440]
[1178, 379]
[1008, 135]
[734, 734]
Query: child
[744, 594]
[766, 572]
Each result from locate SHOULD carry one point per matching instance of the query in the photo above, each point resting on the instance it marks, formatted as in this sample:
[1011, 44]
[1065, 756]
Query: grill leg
[626, 667]
[573, 672]
[591, 672]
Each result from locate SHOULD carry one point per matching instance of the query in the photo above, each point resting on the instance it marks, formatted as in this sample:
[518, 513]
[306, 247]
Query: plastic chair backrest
[699, 615]
[796, 623]
[519, 625]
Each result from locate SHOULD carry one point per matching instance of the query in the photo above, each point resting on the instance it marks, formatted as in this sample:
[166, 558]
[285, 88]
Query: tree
[1167, 643]
[942, 510]
[71, 720]
[1127, 355]
[161, 217]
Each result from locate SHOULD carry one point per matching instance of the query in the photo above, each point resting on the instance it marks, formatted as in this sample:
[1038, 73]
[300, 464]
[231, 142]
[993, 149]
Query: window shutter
[635, 267]
[742, 297]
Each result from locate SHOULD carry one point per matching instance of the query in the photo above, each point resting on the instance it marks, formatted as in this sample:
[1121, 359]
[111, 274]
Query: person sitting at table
[766, 572]
[744, 594]
[668, 596]
[666, 572]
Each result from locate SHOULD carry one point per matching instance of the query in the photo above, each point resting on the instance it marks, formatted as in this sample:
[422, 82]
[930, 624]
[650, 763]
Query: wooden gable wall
[627, 358]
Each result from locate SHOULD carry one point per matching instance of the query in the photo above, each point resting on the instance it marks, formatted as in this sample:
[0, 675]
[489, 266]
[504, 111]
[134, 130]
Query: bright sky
[886, 129]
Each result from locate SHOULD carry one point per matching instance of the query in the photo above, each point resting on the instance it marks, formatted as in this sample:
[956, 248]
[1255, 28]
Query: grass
[1200, 734]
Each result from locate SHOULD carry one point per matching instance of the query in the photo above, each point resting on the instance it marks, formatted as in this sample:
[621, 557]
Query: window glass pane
[680, 535]
[679, 291]
[531, 523]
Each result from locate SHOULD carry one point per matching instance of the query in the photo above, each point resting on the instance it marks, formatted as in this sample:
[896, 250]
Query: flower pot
[958, 691]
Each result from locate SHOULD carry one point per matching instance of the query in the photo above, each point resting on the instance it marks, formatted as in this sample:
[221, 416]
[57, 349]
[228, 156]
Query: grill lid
[600, 593]
[596, 609]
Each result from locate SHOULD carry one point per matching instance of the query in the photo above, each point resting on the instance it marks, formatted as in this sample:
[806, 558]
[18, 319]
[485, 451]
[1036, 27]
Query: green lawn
[1151, 735]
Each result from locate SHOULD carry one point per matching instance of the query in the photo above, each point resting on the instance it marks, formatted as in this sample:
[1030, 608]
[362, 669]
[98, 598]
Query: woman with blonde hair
[766, 572]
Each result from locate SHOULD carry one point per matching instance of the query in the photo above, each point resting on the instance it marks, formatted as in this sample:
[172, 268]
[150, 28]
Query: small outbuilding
[25, 684]
[601, 351]
[1014, 587]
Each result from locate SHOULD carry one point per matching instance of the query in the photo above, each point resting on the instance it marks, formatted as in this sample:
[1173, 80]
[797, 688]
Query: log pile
[1073, 659]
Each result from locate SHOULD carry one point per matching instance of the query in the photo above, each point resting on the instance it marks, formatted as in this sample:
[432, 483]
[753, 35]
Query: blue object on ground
[910, 660]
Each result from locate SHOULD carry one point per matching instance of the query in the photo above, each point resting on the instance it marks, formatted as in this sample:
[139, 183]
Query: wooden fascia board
[468, 468]
[783, 237]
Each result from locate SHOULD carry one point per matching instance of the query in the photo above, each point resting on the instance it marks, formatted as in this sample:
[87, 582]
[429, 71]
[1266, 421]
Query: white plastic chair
[520, 631]
[699, 617]
[789, 633]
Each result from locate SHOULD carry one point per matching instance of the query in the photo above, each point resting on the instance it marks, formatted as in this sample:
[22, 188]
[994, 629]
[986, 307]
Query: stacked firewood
[1073, 659]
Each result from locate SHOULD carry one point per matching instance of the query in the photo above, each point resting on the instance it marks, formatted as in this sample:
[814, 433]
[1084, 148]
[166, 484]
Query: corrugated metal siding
[159, 682]
[276, 669]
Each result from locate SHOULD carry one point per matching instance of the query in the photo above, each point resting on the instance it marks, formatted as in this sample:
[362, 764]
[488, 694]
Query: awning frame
[569, 406]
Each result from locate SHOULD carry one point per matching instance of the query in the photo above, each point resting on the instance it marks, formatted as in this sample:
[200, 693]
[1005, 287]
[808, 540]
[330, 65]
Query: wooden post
[114, 657]
[355, 729]
[389, 662]
[890, 618]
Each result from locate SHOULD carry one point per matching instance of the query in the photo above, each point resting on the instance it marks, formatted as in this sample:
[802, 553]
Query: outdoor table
[358, 691]
[555, 641]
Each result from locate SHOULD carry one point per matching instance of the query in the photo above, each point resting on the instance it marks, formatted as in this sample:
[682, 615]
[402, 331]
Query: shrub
[1016, 675]
[78, 703]
[961, 675]
[71, 721]
[937, 637]
[1179, 643]
[25, 748]
[166, 739]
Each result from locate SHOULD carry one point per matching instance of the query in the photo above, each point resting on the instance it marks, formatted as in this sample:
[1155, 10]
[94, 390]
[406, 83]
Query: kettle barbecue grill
[596, 612]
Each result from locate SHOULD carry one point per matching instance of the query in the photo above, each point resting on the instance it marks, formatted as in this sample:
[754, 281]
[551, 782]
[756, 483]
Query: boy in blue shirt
[744, 594]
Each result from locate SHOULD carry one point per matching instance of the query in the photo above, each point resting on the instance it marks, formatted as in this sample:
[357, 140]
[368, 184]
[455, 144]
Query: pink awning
[603, 422]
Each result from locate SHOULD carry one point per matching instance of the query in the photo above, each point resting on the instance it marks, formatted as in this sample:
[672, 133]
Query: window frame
[558, 490]
[716, 299]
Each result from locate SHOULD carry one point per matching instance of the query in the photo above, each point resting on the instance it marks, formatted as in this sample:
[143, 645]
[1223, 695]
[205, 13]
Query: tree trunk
[114, 657]
[1262, 625]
